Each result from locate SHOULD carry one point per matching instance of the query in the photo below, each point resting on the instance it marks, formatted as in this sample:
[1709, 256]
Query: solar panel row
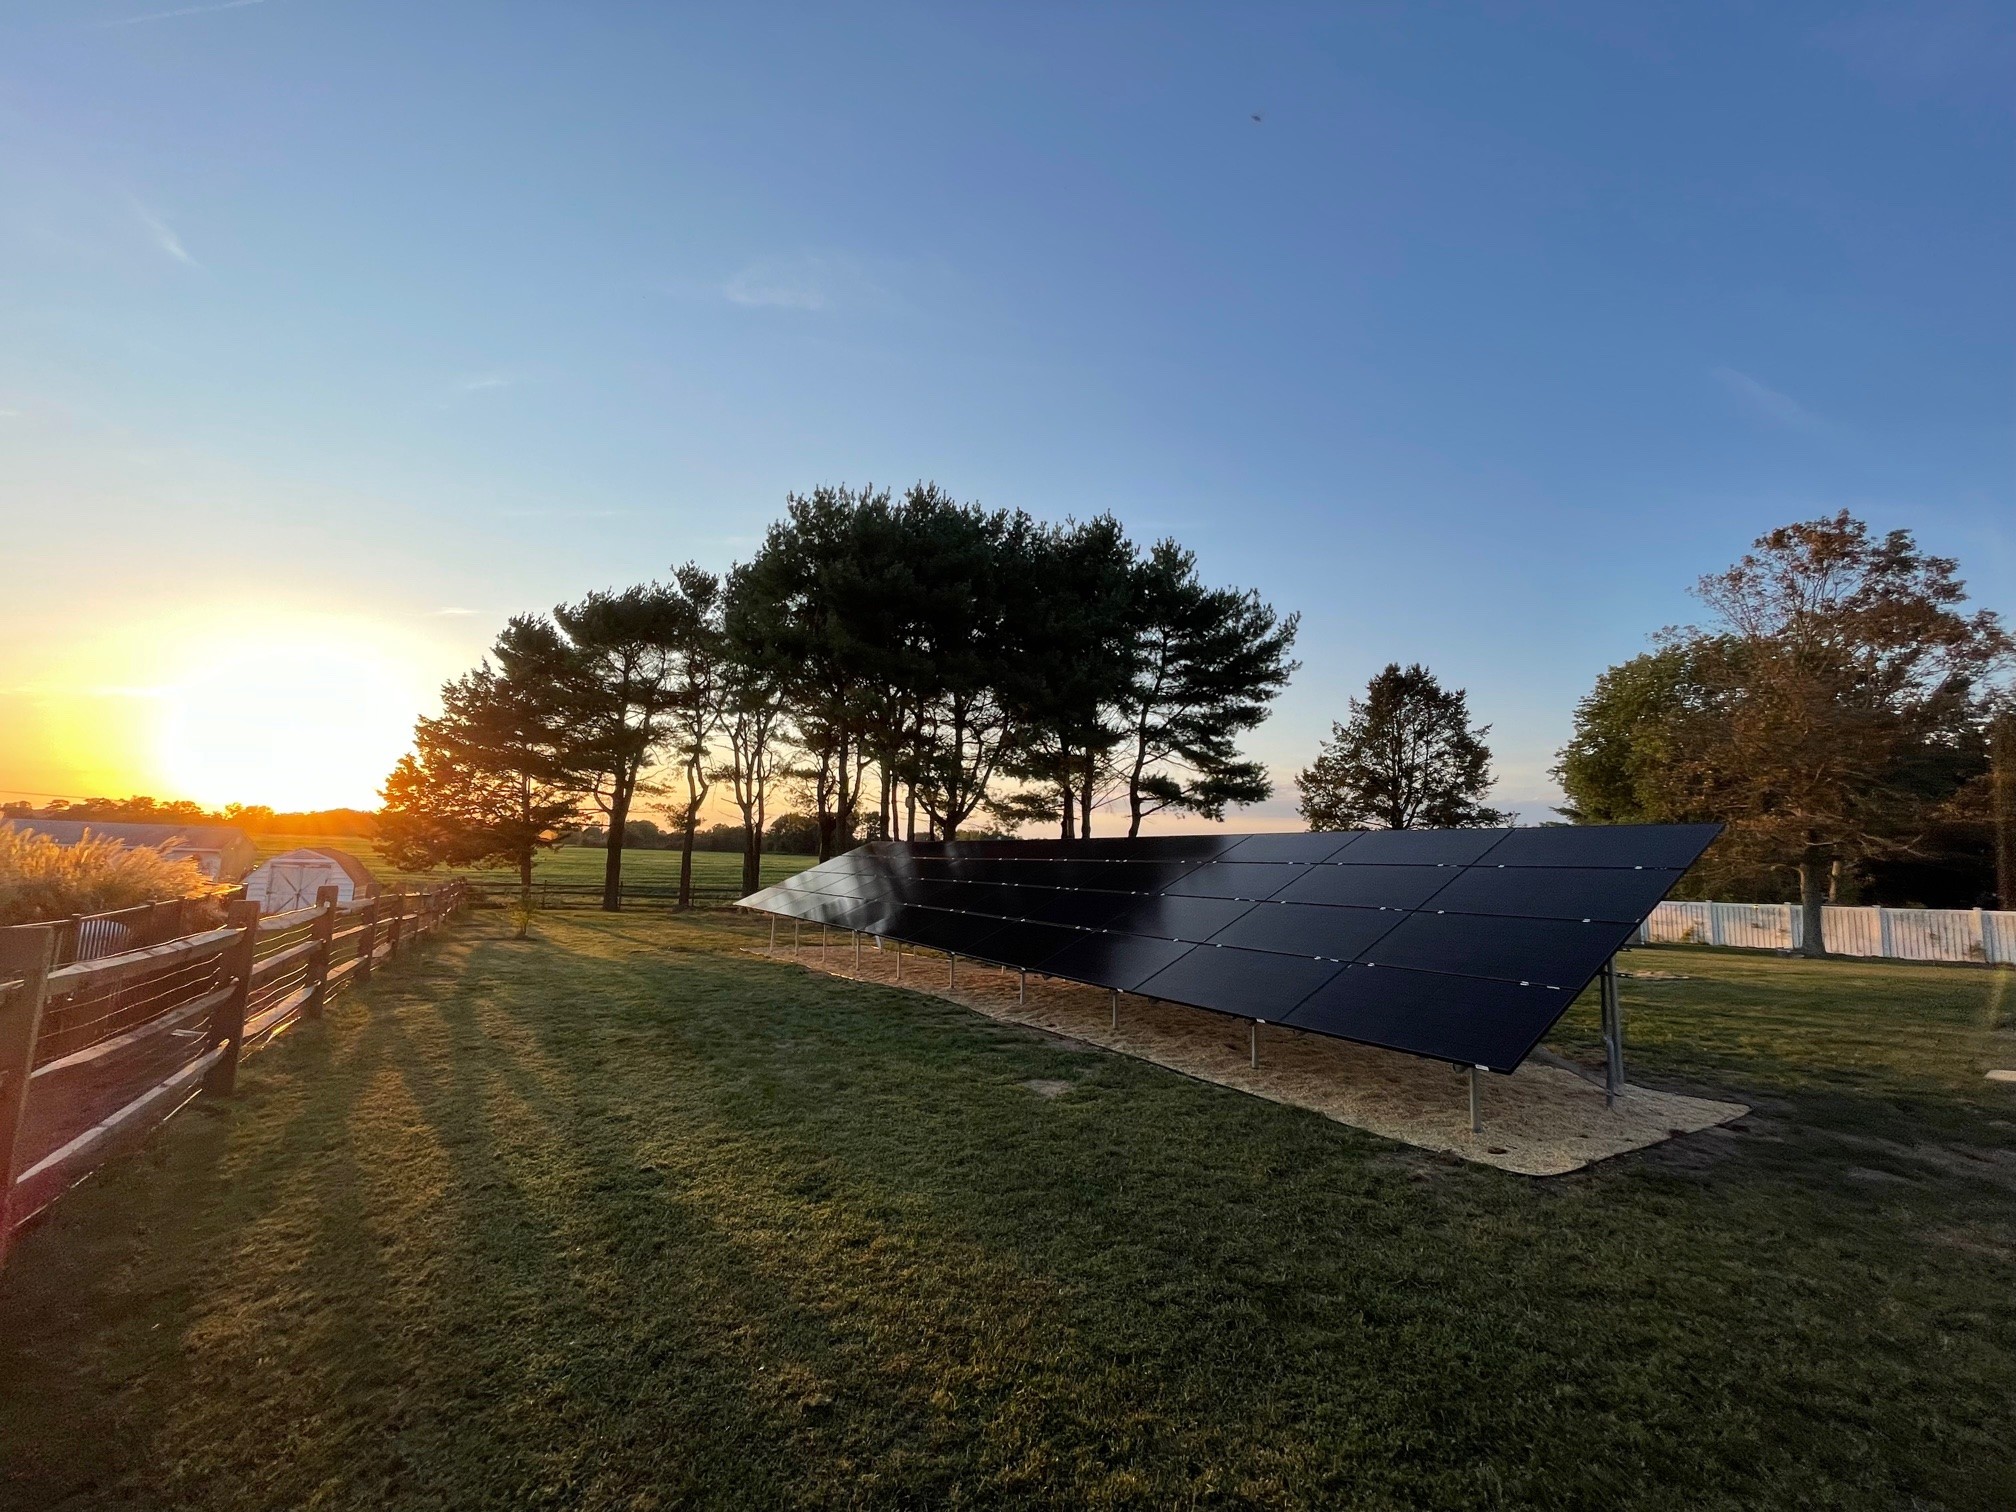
[1465, 945]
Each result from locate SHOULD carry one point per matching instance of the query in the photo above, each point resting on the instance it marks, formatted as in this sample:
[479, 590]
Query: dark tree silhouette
[1407, 758]
[489, 780]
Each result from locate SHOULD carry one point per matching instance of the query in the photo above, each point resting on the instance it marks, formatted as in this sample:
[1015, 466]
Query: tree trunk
[612, 862]
[822, 800]
[1085, 800]
[524, 895]
[752, 855]
[686, 858]
[1813, 902]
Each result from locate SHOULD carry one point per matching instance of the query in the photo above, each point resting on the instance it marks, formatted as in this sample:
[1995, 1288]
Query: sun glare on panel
[292, 723]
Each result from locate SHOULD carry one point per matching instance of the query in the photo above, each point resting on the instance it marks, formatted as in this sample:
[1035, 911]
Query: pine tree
[487, 781]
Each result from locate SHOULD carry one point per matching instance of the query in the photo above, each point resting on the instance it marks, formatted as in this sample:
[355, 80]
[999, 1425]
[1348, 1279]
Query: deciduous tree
[1406, 758]
[1835, 719]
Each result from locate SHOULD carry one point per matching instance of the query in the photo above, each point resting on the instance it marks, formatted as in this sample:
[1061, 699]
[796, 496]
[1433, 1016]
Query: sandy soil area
[1540, 1121]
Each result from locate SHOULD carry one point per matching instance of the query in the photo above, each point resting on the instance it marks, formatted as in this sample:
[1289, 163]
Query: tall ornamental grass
[40, 879]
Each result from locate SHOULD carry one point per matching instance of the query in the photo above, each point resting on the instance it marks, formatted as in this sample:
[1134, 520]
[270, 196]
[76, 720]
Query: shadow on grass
[624, 1216]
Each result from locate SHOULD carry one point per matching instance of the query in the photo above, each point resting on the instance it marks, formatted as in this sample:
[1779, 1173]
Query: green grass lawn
[622, 1217]
[569, 863]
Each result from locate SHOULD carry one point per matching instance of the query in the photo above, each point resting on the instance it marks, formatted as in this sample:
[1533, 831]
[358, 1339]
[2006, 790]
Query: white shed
[291, 880]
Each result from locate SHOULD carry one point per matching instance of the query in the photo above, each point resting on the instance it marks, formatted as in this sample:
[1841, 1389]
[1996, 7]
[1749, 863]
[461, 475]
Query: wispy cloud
[476, 383]
[163, 234]
[564, 514]
[451, 613]
[170, 15]
[782, 283]
[1766, 403]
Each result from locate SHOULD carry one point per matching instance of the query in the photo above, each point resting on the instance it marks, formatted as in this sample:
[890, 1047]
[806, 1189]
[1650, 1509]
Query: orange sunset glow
[276, 708]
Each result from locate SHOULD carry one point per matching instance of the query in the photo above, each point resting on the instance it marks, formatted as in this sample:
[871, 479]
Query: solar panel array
[1465, 945]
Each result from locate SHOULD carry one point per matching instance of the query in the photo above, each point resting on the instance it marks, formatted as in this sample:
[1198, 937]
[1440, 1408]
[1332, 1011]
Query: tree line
[915, 668]
[904, 667]
[253, 818]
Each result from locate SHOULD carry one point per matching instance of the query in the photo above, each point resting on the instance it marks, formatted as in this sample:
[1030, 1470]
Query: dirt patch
[1540, 1121]
[1044, 1086]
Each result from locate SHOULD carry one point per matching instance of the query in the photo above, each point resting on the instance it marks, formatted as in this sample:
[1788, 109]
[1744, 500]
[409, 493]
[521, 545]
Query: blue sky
[1498, 328]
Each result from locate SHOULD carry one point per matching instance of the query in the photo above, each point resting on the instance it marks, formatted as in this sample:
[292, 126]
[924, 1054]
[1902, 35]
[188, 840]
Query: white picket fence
[1898, 934]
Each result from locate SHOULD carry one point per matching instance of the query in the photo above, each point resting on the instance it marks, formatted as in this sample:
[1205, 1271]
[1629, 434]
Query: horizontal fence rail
[88, 937]
[1980, 935]
[98, 1049]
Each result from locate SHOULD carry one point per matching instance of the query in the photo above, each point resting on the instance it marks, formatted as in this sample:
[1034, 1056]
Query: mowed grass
[567, 863]
[624, 1217]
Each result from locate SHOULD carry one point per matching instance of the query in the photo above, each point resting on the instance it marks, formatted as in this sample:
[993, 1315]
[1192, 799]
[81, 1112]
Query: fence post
[325, 943]
[227, 1022]
[368, 942]
[26, 954]
[396, 925]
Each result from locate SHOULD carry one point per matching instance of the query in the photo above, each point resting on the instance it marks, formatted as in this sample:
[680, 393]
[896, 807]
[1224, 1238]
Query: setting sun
[269, 706]
[294, 722]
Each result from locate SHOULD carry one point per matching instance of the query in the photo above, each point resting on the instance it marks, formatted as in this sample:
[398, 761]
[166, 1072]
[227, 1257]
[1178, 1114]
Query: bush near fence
[1898, 934]
[97, 1049]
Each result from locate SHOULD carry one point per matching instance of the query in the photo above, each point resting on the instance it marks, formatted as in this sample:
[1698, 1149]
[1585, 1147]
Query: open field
[570, 863]
[622, 1216]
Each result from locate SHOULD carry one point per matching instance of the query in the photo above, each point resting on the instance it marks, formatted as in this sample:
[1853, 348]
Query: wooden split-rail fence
[96, 1050]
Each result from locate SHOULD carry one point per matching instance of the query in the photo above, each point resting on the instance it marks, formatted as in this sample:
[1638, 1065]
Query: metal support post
[824, 933]
[1116, 1007]
[899, 960]
[1613, 1036]
[1476, 1103]
[952, 977]
[797, 938]
[857, 950]
[1253, 1042]
[773, 935]
[1021, 986]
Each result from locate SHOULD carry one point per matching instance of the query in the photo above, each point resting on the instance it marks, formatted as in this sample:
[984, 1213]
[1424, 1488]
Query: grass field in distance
[568, 863]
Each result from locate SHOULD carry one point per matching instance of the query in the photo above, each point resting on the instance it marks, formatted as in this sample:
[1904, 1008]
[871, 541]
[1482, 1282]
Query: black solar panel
[1465, 945]
[1167, 918]
[1113, 960]
[1249, 983]
[1308, 930]
[1233, 879]
[1368, 886]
